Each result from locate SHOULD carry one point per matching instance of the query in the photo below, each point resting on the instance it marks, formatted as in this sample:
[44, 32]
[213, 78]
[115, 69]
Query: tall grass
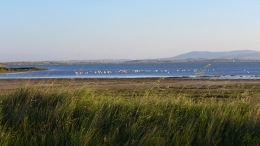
[31, 116]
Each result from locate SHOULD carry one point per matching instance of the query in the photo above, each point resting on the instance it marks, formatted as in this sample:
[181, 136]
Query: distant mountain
[240, 54]
[102, 60]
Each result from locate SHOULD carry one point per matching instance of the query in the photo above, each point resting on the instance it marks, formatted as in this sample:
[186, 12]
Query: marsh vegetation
[71, 114]
[4, 69]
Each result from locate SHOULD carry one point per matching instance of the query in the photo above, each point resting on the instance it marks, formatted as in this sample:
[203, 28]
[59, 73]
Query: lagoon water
[215, 70]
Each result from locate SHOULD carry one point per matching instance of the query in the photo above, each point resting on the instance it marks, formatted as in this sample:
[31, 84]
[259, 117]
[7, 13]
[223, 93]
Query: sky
[60, 30]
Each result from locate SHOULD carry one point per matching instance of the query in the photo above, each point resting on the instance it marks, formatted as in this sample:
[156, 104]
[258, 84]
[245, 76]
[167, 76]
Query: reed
[49, 116]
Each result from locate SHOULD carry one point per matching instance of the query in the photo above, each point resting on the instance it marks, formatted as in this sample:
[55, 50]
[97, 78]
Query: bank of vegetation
[4, 69]
[48, 116]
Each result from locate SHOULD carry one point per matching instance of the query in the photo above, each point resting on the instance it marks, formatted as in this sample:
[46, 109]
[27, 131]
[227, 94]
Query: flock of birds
[99, 72]
[119, 71]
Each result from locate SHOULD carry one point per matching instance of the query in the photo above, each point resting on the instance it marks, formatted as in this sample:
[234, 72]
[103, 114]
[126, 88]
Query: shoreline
[130, 77]
[133, 79]
[5, 70]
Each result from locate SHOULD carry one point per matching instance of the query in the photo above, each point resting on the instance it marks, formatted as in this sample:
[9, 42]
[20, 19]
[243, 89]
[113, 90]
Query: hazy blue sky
[37, 30]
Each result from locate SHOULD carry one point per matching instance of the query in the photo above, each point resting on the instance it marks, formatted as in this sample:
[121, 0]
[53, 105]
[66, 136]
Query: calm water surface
[227, 70]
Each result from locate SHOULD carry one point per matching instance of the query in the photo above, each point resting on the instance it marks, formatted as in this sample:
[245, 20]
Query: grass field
[129, 112]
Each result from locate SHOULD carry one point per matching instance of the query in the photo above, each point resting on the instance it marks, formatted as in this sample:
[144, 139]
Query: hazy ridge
[194, 56]
[238, 54]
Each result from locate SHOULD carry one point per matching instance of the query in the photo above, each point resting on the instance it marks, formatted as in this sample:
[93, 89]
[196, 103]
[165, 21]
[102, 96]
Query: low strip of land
[135, 87]
[20, 69]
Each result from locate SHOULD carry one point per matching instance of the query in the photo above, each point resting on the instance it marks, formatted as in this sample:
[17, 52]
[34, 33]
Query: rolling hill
[239, 54]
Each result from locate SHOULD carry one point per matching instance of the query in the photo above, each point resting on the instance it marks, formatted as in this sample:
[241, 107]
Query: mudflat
[129, 86]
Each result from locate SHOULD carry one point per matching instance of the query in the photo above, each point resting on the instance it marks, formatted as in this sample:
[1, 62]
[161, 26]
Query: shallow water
[220, 70]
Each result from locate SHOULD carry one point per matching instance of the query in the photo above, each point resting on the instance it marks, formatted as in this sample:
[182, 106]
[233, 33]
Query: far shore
[20, 69]
[125, 61]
